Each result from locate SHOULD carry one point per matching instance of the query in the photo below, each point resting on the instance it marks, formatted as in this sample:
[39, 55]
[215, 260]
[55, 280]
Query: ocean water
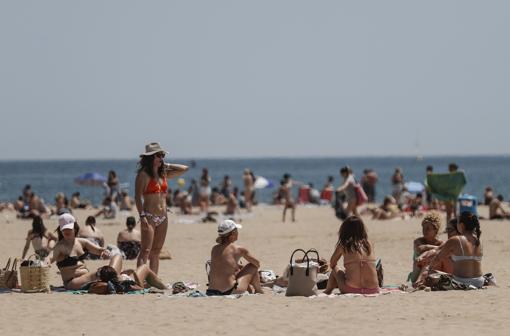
[49, 177]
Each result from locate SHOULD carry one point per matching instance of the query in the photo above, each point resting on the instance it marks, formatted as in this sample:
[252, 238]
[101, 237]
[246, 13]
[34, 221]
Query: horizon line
[287, 157]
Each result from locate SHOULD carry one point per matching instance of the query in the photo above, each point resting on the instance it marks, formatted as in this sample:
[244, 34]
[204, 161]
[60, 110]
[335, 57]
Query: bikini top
[71, 261]
[153, 187]
[464, 257]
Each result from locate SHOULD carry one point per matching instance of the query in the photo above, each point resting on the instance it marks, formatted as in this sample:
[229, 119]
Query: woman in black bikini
[150, 197]
[128, 241]
[69, 253]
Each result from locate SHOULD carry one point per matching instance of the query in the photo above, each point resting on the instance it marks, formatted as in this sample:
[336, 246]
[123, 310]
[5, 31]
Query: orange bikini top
[153, 187]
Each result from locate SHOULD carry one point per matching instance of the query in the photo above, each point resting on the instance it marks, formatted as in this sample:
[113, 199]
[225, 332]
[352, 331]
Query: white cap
[66, 221]
[227, 226]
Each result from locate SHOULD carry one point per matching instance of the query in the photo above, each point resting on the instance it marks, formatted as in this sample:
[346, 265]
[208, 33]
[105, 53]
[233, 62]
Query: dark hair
[352, 236]
[145, 164]
[76, 231]
[500, 197]
[331, 178]
[130, 223]
[471, 223]
[38, 226]
[91, 221]
[452, 224]
[107, 273]
[345, 170]
[430, 168]
[452, 167]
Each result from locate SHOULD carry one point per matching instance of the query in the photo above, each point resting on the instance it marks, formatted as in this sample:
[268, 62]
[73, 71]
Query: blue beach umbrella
[90, 179]
[415, 187]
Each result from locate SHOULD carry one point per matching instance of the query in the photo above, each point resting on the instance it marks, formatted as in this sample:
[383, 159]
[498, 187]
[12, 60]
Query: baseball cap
[66, 221]
[227, 226]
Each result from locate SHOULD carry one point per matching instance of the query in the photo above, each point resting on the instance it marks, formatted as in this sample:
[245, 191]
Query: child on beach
[431, 224]
[227, 276]
[360, 274]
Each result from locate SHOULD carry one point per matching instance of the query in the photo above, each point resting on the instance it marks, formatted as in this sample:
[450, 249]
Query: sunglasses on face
[160, 155]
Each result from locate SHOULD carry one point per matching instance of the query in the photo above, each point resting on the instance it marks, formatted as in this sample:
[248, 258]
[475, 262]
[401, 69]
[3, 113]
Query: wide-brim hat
[153, 148]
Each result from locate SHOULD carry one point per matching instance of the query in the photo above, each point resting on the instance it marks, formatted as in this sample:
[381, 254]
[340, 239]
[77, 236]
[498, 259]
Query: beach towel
[446, 187]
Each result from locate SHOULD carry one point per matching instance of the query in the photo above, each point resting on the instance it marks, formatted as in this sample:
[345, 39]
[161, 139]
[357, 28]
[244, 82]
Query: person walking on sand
[285, 193]
[227, 275]
[150, 197]
[248, 189]
[348, 189]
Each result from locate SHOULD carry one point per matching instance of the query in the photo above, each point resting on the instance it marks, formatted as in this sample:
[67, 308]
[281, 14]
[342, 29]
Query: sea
[47, 178]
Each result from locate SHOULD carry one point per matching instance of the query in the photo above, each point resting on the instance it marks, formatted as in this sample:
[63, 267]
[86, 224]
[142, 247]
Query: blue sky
[99, 79]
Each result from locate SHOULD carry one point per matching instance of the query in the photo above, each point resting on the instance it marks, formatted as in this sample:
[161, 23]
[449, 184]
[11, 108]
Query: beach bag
[34, 276]
[303, 275]
[9, 275]
[361, 196]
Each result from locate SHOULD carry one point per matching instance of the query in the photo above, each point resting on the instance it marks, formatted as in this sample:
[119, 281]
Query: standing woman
[248, 188]
[348, 189]
[150, 197]
[205, 190]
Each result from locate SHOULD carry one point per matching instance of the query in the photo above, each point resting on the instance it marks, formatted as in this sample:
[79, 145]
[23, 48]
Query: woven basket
[34, 279]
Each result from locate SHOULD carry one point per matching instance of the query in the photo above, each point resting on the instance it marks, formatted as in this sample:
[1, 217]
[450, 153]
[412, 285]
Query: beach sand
[481, 312]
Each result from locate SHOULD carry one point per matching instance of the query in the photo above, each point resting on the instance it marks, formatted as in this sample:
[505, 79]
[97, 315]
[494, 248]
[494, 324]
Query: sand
[461, 312]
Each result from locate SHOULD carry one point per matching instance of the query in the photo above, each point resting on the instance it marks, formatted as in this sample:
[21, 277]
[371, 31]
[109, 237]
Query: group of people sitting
[44, 241]
[460, 256]
[30, 205]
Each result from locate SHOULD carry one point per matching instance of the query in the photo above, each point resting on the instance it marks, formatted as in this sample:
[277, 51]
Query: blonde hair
[433, 218]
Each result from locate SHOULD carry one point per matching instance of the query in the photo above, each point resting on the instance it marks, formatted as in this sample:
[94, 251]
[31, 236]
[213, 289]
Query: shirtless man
[227, 276]
[496, 210]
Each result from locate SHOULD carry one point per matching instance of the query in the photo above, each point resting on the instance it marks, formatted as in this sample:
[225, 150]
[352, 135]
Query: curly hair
[433, 218]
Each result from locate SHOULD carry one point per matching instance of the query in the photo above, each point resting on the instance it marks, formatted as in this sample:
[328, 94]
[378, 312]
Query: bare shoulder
[240, 249]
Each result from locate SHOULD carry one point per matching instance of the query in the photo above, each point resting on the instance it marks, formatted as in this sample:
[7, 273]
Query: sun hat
[227, 226]
[66, 221]
[153, 148]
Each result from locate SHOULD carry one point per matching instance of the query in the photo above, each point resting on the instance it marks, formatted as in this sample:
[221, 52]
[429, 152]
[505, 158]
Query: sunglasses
[160, 155]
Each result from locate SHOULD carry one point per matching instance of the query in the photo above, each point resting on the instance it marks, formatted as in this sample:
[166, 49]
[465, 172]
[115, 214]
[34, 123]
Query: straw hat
[153, 148]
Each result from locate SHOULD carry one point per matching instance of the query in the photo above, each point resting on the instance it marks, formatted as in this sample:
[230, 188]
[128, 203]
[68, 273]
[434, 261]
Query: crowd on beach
[459, 257]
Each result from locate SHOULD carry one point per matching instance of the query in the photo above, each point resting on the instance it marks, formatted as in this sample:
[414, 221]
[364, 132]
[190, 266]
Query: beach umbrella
[262, 183]
[414, 187]
[90, 179]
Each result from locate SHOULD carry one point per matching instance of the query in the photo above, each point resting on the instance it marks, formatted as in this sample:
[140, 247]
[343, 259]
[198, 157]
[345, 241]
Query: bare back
[224, 266]
[360, 271]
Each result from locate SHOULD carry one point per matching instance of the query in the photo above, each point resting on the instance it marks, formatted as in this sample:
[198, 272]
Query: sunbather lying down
[110, 282]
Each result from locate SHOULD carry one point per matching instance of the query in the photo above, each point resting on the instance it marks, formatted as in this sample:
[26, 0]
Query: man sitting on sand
[227, 276]
[496, 210]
